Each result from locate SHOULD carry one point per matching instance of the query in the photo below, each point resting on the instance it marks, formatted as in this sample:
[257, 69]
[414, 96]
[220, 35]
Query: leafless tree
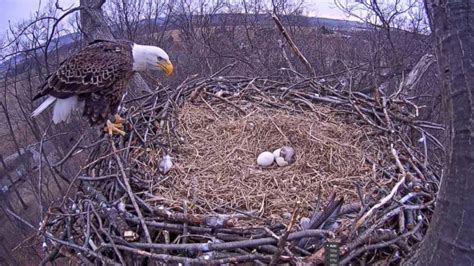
[392, 44]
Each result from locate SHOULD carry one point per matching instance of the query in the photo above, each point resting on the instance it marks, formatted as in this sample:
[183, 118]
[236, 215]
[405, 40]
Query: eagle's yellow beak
[166, 66]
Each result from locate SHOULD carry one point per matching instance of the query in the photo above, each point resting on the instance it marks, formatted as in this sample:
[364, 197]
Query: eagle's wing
[97, 66]
[98, 106]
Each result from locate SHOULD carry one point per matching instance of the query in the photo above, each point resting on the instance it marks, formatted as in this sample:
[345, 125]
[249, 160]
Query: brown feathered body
[97, 75]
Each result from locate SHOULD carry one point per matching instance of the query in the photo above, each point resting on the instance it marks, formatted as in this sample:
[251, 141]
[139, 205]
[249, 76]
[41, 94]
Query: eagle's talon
[118, 119]
[114, 127]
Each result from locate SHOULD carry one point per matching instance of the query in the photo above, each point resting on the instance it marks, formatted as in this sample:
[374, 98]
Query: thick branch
[293, 46]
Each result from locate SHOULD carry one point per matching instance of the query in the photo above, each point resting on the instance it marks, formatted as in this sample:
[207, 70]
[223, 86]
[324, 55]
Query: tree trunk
[450, 237]
[94, 26]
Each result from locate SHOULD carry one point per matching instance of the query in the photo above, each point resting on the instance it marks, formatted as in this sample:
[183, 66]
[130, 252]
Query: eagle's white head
[151, 57]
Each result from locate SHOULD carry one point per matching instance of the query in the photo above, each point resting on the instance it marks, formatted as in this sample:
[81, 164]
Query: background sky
[16, 10]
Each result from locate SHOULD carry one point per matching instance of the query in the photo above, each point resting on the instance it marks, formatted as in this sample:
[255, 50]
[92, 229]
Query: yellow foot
[118, 119]
[115, 127]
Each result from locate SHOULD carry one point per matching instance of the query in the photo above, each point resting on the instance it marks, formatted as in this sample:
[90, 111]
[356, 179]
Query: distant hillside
[57, 42]
[263, 19]
[212, 20]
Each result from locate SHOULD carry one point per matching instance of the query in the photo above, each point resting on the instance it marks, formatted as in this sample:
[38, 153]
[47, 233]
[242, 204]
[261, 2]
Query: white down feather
[43, 106]
[62, 108]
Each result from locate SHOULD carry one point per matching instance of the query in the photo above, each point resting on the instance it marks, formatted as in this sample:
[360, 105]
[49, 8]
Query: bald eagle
[96, 78]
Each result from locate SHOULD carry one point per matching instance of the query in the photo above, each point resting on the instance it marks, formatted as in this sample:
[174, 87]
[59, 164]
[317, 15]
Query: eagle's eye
[160, 58]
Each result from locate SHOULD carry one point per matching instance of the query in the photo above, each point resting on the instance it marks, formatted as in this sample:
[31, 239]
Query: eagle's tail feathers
[63, 108]
[50, 100]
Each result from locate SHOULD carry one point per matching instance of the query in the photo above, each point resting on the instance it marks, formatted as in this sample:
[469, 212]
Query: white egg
[265, 159]
[281, 161]
[276, 153]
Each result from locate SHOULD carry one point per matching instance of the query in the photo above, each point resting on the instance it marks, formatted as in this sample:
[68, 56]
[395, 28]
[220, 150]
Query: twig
[390, 195]
[190, 261]
[70, 152]
[130, 193]
[293, 46]
[415, 74]
[98, 178]
[290, 65]
[228, 102]
[71, 245]
[284, 237]
[382, 244]
[40, 172]
[185, 224]
[218, 72]
[205, 247]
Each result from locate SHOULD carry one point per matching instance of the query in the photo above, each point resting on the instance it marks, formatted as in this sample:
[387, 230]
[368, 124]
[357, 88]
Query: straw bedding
[216, 171]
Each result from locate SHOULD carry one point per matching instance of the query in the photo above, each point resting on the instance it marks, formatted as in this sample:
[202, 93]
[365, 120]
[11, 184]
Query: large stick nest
[361, 178]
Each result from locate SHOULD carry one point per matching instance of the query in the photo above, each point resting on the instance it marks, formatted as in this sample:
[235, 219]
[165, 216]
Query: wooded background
[376, 53]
